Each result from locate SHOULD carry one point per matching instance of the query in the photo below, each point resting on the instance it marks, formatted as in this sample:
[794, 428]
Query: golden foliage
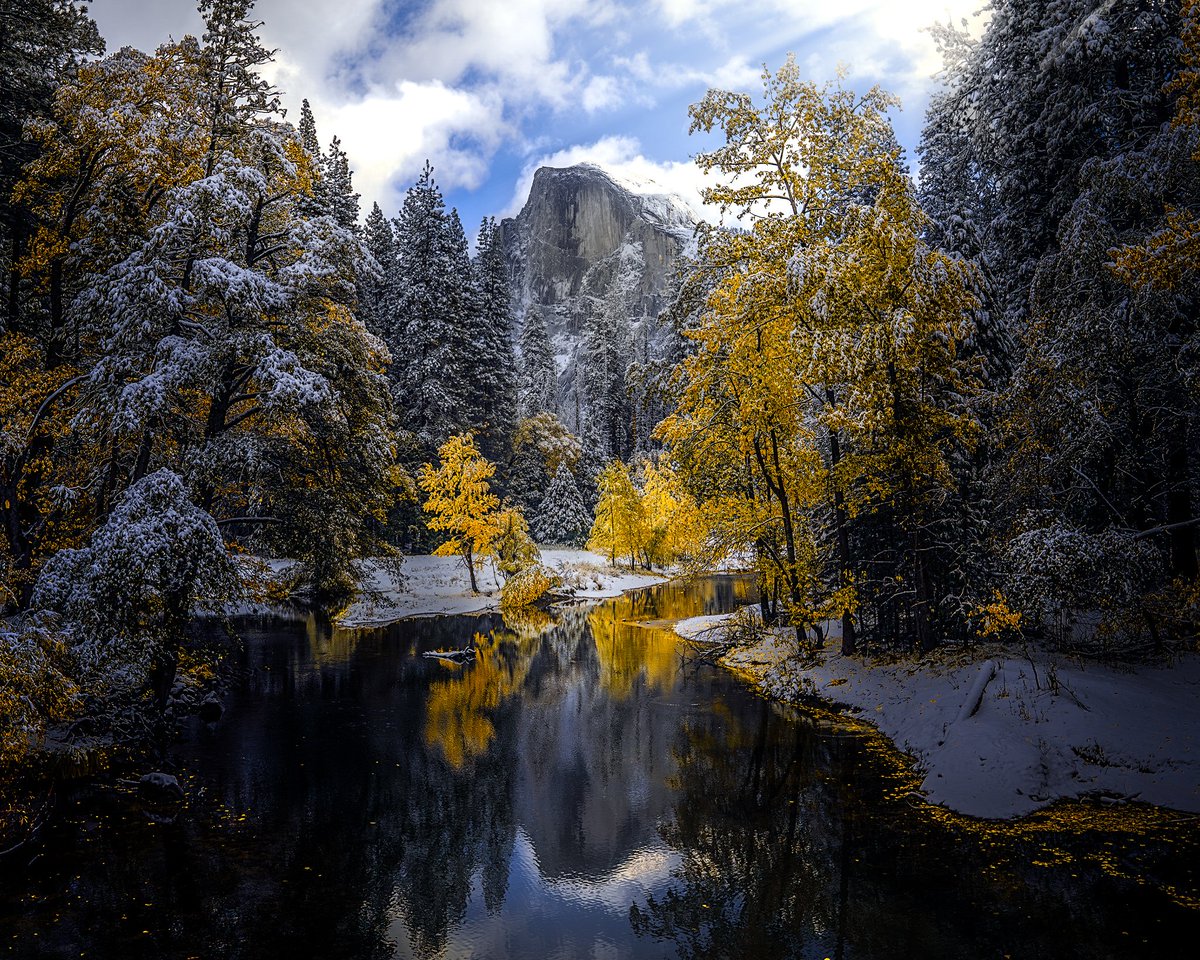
[995, 619]
[460, 502]
[827, 374]
[458, 709]
[527, 587]
[619, 528]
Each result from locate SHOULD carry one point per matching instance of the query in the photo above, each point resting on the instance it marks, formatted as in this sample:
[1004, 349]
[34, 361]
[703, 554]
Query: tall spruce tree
[432, 302]
[495, 376]
[378, 275]
[539, 374]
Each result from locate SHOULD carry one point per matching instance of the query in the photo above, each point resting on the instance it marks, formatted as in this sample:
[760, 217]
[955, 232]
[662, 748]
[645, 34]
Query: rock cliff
[596, 256]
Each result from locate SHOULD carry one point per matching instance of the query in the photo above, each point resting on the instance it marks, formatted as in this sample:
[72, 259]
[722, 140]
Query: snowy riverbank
[1047, 727]
[439, 585]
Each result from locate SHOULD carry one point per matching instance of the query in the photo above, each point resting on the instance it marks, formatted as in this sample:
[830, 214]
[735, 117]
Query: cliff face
[565, 242]
[595, 256]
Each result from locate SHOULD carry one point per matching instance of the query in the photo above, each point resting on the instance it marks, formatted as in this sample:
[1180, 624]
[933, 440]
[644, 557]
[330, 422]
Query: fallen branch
[454, 656]
[975, 697]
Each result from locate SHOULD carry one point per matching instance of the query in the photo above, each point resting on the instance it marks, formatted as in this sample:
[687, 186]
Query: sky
[489, 90]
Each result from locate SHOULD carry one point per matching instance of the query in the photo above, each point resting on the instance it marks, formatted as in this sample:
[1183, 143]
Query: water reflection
[578, 791]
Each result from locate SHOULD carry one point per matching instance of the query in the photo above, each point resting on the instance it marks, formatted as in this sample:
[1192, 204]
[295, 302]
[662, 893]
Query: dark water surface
[581, 791]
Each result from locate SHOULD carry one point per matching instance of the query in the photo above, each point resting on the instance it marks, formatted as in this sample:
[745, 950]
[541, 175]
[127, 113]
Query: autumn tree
[619, 526]
[460, 503]
[825, 380]
[178, 258]
[43, 43]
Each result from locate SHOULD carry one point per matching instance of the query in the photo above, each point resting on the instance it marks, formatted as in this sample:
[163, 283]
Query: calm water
[583, 791]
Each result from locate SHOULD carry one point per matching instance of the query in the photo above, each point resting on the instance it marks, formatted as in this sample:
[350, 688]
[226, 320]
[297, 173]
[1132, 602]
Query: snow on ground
[1047, 726]
[440, 585]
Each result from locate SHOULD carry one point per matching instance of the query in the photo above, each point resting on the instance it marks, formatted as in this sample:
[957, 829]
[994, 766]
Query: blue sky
[488, 90]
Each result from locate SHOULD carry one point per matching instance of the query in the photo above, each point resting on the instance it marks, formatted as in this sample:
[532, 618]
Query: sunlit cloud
[460, 82]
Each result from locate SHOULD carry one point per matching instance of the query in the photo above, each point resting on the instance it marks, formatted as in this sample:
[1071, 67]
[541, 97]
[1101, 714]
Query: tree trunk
[849, 636]
[1179, 505]
[469, 557]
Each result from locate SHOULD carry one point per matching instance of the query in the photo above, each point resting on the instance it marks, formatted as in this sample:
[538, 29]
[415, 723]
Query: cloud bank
[465, 84]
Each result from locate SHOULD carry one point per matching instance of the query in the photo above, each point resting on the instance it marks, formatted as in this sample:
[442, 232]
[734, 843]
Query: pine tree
[431, 304]
[539, 374]
[562, 517]
[495, 377]
[377, 275]
[340, 199]
[308, 131]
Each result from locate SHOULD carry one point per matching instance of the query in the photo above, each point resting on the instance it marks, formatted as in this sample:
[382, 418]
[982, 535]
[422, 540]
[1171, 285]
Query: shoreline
[994, 734]
[439, 586]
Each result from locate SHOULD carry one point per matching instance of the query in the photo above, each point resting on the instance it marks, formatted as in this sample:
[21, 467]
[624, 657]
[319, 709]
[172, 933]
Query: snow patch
[1046, 728]
[430, 586]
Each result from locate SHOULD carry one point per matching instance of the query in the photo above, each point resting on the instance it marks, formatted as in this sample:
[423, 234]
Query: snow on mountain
[592, 251]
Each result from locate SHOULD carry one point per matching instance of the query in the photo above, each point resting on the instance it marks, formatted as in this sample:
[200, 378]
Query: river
[583, 790]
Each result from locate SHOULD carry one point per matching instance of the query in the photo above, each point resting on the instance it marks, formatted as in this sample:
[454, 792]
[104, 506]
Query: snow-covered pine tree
[425, 341]
[562, 517]
[604, 400]
[497, 376]
[377, 276]
[340, 199]
[539, 374]
[307, 128]
[466, 374]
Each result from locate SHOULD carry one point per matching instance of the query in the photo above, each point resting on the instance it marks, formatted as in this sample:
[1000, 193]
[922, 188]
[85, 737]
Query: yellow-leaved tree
[619, 527]
[826, 379]
[460, 502]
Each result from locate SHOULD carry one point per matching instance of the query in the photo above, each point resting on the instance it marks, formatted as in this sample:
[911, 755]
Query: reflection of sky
[567, 917]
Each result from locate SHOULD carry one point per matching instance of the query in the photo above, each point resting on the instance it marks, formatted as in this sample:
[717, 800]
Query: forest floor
[1045, 726]
[439, 585]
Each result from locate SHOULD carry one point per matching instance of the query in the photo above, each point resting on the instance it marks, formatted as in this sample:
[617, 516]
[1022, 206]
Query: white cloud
[735, 73]
[389, 134]
[602, 93]
[458, 79]
[881, 38]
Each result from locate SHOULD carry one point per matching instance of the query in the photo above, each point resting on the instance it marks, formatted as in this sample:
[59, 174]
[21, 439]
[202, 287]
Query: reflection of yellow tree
[528, 623]
[329, 643]
[457, 710]
[627, 652]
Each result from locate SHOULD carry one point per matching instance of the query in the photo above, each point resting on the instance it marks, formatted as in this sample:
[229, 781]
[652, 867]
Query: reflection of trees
[458, 709]
[756, 878]
[332, 826]
[631, 654]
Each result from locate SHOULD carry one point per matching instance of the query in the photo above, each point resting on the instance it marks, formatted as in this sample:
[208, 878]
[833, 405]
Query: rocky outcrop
[567, 242]
[589, 250]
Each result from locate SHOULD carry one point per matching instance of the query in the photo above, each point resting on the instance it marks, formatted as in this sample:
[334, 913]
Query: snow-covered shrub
[528, 587]
[1057, 570]
[124, 597]
[35, 686]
